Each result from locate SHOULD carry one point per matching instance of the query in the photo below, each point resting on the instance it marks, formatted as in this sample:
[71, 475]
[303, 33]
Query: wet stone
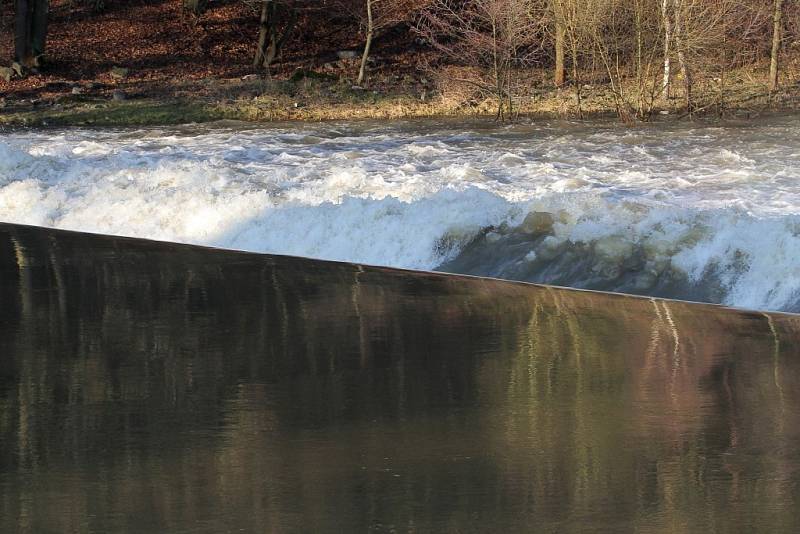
[537, 223]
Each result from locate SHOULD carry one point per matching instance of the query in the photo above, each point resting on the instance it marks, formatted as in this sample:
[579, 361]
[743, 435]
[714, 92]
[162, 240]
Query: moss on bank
[151, 112]
[129, 113]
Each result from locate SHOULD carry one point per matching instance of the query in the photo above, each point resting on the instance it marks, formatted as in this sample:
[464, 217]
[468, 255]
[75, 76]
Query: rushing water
[150, 387]
[689, 211]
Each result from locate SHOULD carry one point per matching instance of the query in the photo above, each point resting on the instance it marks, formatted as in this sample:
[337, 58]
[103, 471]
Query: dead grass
[309, 96]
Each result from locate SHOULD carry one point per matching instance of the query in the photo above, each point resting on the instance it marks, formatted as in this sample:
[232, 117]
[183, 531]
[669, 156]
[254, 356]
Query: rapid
[707, 212]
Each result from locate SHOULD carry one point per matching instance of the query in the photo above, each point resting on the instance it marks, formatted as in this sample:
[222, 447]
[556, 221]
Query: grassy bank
[308, 97]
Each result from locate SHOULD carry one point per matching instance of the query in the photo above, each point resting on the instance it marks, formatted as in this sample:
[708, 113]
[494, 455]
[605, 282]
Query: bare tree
[681, 46]
[626, 41]
[368, 43]
[558, 21]
[667, 22]
[695, 34]
[493, 36]
[375, 15]
[580, 20]
[271, 36]
[777, 28]
[649, 27]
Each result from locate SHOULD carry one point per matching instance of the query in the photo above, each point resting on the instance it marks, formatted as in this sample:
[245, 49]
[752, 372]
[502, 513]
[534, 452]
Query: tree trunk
[30, 32]
[679, 45]
[576, 79]
[264, 31]
[367, 45]
[276, 42]
[777, 17]
[39, 31]
[22, 28]
[641, 76]
[510, 94]
[559, 76]
[667, 44]
[269, 42]
[498, 79]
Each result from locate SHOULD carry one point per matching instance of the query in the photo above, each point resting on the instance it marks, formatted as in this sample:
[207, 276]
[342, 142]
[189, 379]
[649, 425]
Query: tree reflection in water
[158, 387]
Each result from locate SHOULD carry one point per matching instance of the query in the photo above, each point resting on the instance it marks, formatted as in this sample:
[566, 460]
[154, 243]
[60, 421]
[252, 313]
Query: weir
[156, 387]
[584, 205]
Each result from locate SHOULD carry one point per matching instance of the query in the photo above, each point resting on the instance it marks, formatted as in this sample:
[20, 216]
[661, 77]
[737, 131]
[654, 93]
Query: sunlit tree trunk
[682, 61]
[577, 80]
[559, 76]
[667, 44]
[498, 83]
[368, 44]
[777, 20]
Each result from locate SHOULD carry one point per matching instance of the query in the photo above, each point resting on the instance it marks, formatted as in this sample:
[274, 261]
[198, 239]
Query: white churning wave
[692, 211]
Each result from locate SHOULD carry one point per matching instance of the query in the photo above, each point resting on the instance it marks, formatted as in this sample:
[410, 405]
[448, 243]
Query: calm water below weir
[152, 387]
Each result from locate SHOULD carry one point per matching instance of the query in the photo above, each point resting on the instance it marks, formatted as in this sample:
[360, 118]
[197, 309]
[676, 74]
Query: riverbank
[311, 96]
[150, 63]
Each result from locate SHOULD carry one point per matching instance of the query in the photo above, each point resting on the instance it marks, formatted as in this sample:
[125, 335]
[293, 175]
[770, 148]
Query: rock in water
[537, 223]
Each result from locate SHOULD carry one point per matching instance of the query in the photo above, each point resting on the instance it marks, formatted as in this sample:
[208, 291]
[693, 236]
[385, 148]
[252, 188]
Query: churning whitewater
[686, 211]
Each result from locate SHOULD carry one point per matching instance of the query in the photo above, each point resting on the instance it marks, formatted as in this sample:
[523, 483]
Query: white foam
[723, 200]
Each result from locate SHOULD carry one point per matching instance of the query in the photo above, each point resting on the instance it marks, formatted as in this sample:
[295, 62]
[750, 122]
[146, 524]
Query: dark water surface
[150, 387]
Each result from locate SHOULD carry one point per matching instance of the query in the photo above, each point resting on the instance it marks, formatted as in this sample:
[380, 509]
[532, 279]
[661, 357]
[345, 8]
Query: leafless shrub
[375, 15]
[626, 40]
[494, 37]
[580, 23]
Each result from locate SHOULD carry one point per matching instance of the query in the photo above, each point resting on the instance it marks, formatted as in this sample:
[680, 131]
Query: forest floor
[180, 69]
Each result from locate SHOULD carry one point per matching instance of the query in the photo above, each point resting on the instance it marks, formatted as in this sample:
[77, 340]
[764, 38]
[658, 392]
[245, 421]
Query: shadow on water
[157, 387]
